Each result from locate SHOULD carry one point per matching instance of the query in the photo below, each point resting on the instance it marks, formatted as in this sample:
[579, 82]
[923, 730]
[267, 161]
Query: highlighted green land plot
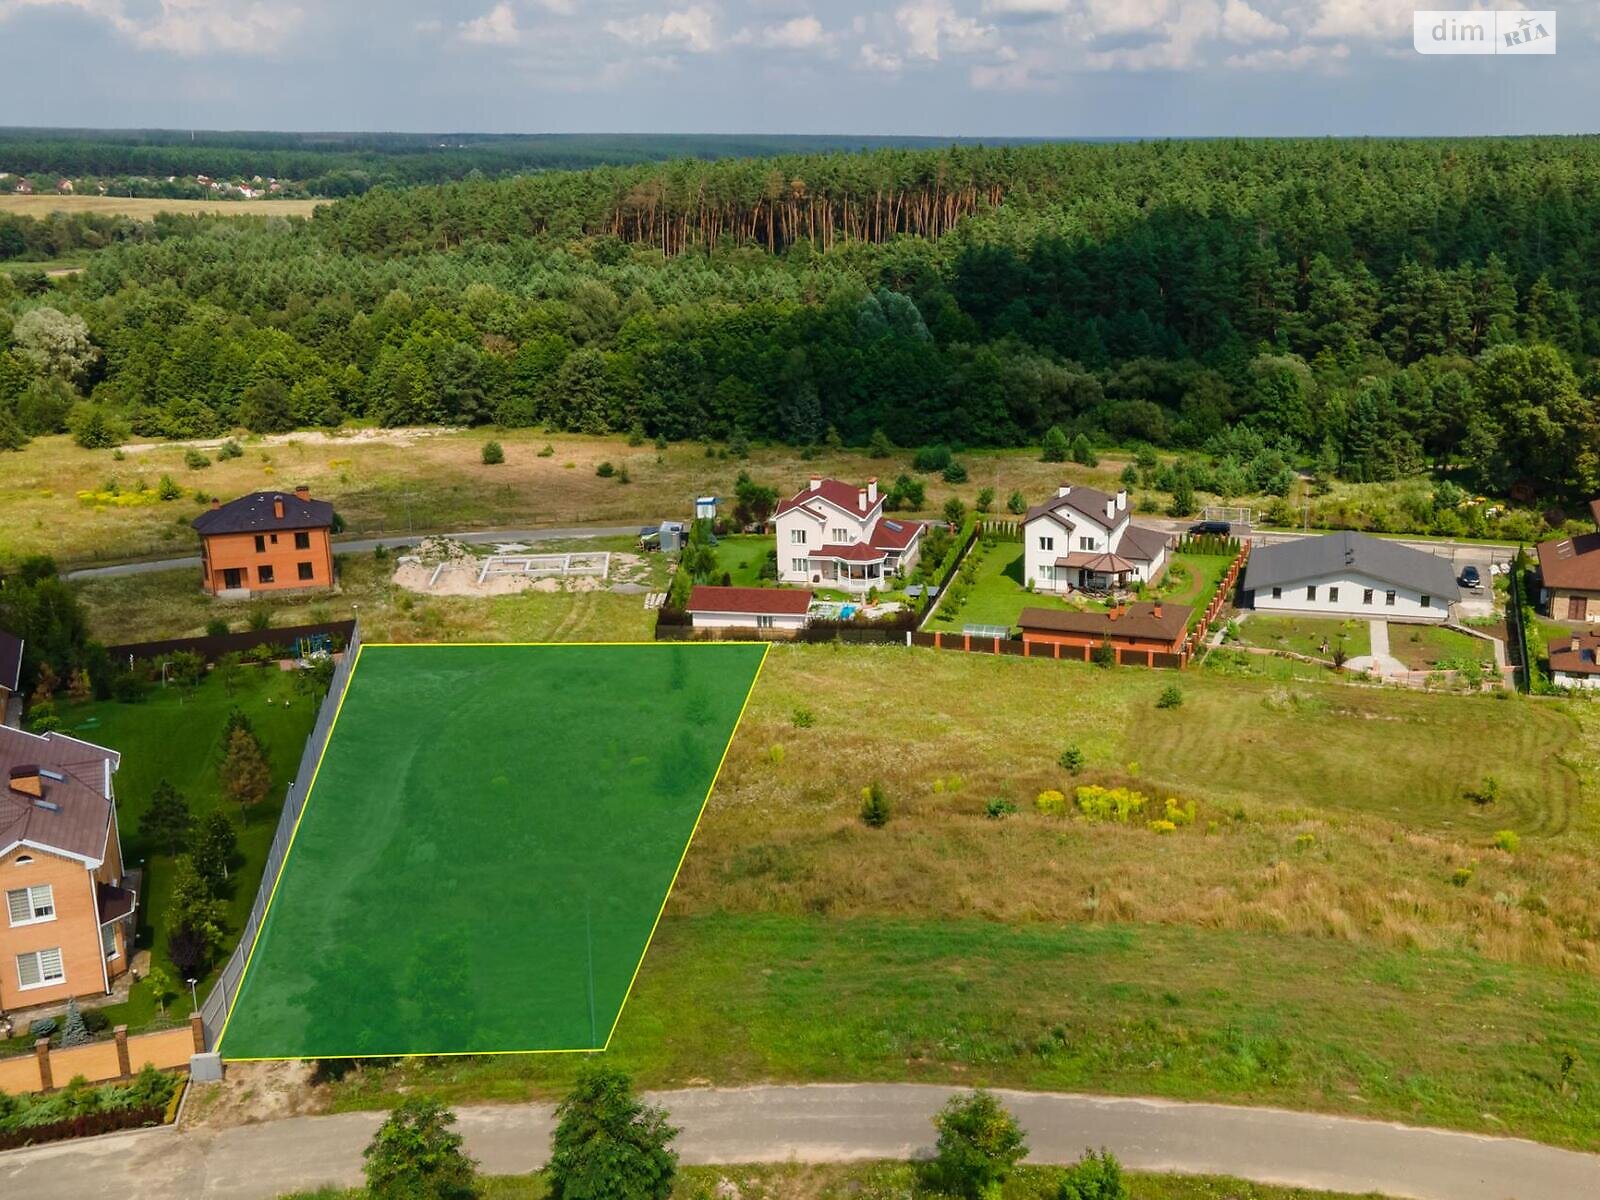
[489, 841]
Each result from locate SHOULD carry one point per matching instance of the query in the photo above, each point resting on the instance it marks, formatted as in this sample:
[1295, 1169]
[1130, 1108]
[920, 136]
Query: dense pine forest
[1371, 307]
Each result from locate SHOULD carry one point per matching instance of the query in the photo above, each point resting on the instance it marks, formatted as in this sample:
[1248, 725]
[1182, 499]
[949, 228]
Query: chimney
[1116, 610]
[872, 490]
[277, 507]
[215, 503]
[816, 482]
[25, 780]
[1063, 491]
[302, 492]
[861, 499]
[1111, 509]
[1577, 644]
[1122, 500]
[1155, 610]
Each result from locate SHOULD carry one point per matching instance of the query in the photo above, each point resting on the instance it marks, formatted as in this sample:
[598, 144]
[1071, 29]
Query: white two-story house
[833, 534]
[1083, 539]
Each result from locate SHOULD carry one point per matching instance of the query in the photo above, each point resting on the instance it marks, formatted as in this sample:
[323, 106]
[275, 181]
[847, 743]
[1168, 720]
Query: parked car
[1469, 577]
[1210, 529]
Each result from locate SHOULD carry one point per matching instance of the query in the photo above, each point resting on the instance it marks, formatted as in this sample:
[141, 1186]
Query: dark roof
[1136, 621]
[844, 495]
[10, 661]
[115, 902]
[1571, 562]
[1579, 661]
[1339, 553]
[1095, 560]
[1085, 501]
[254, 514]
[741, 601]
[1142, 544]
[76, 816]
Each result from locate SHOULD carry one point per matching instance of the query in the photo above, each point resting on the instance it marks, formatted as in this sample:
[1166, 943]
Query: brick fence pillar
[197, 1026]
[124, 1066]
[41, 1054]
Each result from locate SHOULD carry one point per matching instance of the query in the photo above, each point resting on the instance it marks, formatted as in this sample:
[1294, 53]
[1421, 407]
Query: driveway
[368, 545]
[839, 1123]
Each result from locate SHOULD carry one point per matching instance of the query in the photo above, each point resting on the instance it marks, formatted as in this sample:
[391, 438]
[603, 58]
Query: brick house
[1145, 628]
[67, 925]
[266, 542]
[1569, 571]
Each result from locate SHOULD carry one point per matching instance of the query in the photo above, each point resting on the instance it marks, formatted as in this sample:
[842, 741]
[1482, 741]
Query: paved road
[367, 545]
[838, 1123]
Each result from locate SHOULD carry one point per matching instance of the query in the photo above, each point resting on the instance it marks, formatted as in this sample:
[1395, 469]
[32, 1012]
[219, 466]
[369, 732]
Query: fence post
[41, 1055]
[124, 1066]
[197, 1028]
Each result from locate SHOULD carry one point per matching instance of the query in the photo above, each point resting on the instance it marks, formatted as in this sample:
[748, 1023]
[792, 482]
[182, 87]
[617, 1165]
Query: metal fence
[214, 1012]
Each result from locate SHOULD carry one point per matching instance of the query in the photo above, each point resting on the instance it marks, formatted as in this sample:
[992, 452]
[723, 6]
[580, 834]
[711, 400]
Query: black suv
[1210, 529]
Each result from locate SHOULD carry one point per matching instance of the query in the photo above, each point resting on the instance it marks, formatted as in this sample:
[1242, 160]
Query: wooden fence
[100, 1062]
[1129, 656]
[1196, 636]
[214, 646]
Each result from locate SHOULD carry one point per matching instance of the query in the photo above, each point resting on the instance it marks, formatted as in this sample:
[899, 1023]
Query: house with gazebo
[835, 535]
[1083, 539]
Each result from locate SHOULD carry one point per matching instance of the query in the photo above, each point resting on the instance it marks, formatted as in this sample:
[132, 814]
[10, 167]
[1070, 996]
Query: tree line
[1375, 308]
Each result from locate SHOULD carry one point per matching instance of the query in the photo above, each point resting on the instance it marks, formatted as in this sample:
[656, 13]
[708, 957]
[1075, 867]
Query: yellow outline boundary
[672, 883]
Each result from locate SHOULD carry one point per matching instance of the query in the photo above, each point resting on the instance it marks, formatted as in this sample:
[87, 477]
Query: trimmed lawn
[176, 735]
[1307, 635]
[742, 556]
[1424, 647]
[999, 594]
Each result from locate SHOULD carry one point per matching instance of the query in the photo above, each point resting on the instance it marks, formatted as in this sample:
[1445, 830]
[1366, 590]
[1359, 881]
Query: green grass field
[1306, 635]
[742, 557]
[487, 846]
[1424, 647]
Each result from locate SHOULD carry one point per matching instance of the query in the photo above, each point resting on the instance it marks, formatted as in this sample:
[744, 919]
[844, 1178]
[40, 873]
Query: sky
[1045, 68]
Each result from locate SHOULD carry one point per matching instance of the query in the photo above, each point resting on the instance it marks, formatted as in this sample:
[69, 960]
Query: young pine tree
[608, 1145]
[415, 1155]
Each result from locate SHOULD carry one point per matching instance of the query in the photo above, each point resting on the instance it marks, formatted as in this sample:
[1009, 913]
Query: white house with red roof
[834, 534]
[1084, 538]
[748, 608]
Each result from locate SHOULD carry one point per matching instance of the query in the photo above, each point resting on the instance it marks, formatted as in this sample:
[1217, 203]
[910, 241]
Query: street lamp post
[194, 1000]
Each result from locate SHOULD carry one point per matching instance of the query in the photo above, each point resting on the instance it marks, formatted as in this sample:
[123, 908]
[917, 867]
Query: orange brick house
[266, 542]
[66, 927]
[1134, 631]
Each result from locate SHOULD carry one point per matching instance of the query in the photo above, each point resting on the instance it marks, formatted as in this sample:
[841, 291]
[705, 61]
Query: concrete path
[368, 545]
[1380, 661]
[839, 1123]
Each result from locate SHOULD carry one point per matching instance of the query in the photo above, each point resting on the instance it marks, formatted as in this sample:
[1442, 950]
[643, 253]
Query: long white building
[1351, 575]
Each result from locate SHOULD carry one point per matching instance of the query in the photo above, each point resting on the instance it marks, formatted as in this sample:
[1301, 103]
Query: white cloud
[1127, 16]
[188, 27]
[1179, 33]
[692, 28]
[1241, 23]
[1027, 8]
[875, 59]
[1291, 59]
[497, 27]
[799, 33]
[561, 8]
[1378, 19]
[931, 25]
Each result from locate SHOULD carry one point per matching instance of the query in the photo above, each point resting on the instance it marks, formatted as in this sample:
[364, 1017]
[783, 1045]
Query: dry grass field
[143, 209]
[395, 481]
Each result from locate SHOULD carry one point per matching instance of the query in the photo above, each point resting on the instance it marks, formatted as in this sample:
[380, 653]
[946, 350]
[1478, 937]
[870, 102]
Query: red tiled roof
[75, 816]
[1575, 662]
[1137, 620]
[855, 552]
[895, 535]
[774, 601]
[845, 495]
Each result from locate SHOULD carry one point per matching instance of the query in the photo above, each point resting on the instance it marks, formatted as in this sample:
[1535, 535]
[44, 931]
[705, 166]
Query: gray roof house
[1351, 575]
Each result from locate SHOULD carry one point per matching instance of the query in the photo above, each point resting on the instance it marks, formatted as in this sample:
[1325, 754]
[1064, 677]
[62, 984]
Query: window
[1425, 601]
[1085, 543]
[38, 968]
[305, 570]
[264, 574]
[797, 537]
[1333, 595]
[1311, 591]
[302, 541]
[797, 565]
[763, 620]
[274, 539]
[1047, 543]
[108, 940]
[1366, 596]
[31, 904]
[841, 536]
[1388, 598]
[261, 544]
[1277, 593]
[1047, 573]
